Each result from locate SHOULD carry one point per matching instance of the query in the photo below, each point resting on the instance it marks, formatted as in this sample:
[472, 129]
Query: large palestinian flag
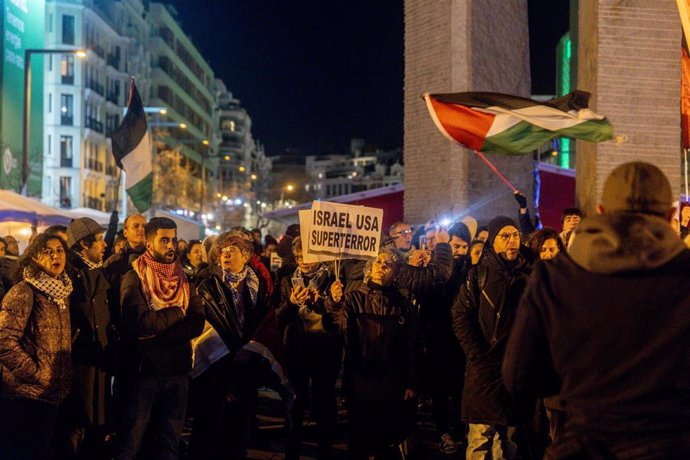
[511, 125]
[132, 151]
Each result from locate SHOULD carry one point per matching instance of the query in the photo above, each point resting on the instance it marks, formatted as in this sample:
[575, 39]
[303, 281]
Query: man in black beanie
[483, 315]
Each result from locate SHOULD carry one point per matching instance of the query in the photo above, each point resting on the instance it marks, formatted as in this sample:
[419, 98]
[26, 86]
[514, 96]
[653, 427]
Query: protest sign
[304, 232]
[343, 231]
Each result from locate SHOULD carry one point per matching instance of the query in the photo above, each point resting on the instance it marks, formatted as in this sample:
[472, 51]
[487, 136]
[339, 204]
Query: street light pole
[27, 107]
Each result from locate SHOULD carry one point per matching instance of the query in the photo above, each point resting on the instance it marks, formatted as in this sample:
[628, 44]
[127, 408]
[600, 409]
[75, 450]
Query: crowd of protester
[523, 343]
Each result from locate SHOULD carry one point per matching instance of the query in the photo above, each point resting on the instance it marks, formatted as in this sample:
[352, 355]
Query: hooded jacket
[609, 326]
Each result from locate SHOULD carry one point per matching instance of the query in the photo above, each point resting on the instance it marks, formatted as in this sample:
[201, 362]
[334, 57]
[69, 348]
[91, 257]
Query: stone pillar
[629, 59]
[454, 46]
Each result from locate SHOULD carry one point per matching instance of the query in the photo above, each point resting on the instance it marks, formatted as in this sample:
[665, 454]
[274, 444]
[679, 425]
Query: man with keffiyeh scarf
[161, 314]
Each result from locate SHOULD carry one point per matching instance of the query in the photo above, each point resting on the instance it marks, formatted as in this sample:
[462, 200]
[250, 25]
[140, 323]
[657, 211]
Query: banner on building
[332, 231]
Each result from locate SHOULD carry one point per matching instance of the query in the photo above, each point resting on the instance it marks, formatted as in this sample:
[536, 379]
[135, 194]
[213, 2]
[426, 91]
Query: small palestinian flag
[511, 125]
[132, 151]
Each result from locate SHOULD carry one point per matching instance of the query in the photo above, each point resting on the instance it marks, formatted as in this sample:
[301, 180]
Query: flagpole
[685, 154]
[495, 170]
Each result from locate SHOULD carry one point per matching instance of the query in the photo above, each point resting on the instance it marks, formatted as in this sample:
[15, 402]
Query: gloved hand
[521, 199]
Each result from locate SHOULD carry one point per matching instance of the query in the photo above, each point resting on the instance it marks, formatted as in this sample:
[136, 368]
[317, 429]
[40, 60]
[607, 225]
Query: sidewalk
[268, 439]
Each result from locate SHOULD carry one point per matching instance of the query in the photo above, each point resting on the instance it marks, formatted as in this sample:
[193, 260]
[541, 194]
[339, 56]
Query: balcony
[98, 50]
[113, 97]
[113, 61]
[95, 86]
[94, 165]
[93, 203]
[92, 123]
[66, 120]
[68, 79]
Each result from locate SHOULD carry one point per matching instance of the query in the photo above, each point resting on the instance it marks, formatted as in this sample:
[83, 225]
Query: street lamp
[27, 105]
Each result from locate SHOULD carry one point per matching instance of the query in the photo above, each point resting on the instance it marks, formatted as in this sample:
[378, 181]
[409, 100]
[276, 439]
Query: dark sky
[315, 73]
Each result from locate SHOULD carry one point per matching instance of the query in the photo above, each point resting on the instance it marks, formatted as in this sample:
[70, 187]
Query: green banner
[22, 27]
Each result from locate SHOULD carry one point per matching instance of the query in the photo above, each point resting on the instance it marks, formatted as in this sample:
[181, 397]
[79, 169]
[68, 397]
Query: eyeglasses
[230, 250]
[402, 233]
[48, 252]
[508, 236]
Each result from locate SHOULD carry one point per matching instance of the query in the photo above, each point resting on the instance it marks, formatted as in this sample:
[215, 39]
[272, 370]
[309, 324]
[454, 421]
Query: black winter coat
[92, 331]
[89, 313]
[303, 326]
[220, 308]
[483, 314]
[382, 350]
[169, 351]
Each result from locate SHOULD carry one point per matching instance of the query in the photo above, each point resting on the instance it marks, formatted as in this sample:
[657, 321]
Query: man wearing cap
[86, 409]
[483, 315]
[609, 327]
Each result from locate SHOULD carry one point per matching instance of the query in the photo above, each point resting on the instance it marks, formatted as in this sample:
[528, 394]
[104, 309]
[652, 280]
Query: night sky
[314, 73]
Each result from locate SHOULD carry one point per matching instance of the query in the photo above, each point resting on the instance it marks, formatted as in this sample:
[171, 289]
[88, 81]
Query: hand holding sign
[337, 291]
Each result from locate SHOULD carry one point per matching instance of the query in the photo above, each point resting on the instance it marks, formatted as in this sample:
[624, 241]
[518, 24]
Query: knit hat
[495, 226]
[637, 187]
[82, 227]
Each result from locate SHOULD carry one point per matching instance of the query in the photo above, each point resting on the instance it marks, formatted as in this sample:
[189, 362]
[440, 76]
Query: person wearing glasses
[483, 314]
[35, 347]
[402, 236]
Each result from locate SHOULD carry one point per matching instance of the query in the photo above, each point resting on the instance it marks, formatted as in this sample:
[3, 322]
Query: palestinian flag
[132, 150]
[511, 125]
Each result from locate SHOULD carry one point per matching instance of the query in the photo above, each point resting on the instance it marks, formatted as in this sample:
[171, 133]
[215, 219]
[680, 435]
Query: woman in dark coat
[382, 353]
[35, 346]
[233, 356]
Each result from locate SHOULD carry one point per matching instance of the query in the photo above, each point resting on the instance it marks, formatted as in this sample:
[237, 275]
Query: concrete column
[629, 59]
[453, 46]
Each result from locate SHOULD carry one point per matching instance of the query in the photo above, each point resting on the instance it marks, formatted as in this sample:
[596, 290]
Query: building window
[65, 192]
[66, 151]
[68, 29]
[67, 69]
[50, 22]
[50, 63]
[50, 102]
[66, 110]
[50, 144]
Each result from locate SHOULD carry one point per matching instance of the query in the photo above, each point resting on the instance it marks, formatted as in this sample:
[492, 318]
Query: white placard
[342, 231]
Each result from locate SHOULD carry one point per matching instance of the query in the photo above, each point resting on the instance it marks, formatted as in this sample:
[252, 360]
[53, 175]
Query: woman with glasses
[233, 355]
[35, 346]
[382, 353]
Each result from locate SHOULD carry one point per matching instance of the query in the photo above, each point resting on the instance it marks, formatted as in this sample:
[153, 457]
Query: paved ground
[268, 439]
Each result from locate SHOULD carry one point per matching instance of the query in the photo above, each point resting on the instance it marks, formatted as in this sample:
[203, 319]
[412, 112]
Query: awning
[16, 207]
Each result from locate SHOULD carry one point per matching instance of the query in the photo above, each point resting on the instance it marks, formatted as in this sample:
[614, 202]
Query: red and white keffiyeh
[165, 285]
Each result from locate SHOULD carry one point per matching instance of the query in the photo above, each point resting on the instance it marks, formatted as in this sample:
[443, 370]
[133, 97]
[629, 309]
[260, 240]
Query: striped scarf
[56, 289]
[89, 264]
[165, 285]
[234, 282]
